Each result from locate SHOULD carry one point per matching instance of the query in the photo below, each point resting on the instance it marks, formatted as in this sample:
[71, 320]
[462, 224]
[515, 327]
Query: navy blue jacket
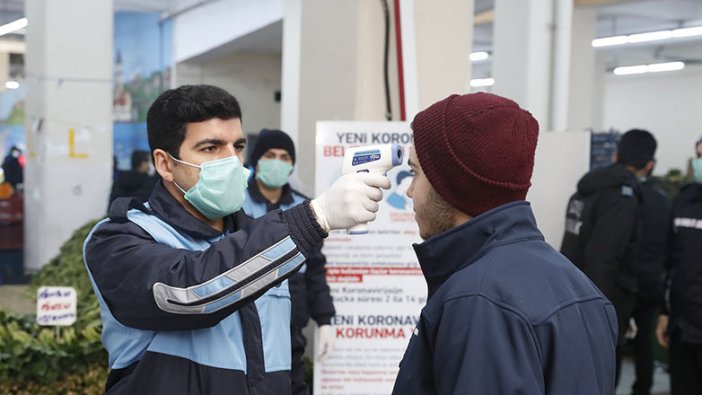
[189, 320]
[684, 265]
[309, 291]
[507, 314]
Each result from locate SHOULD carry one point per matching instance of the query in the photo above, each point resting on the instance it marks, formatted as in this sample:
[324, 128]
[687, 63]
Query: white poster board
[376, 283]
[562, 158]
[56, 306]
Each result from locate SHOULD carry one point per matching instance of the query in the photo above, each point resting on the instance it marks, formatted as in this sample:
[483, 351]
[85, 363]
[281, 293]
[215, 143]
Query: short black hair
[174, 108]
[637, 147]
[139, 157]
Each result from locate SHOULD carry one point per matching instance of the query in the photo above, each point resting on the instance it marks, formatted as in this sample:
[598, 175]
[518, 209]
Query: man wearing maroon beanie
[506, 313]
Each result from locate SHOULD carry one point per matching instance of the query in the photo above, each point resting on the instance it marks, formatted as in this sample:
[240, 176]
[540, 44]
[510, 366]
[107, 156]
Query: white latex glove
[325, 343]
[352, 200]
[632, 330]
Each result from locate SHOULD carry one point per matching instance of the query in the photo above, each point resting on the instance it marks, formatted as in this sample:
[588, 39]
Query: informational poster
[375, 280]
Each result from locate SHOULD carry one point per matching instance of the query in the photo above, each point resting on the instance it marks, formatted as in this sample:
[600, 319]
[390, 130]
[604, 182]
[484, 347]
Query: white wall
[667, 104]
[252, 78]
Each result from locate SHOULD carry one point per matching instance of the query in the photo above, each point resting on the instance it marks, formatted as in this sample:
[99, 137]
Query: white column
[523, 52]
[68, 121]
[585, 96]
[560, 83]
[444, 39]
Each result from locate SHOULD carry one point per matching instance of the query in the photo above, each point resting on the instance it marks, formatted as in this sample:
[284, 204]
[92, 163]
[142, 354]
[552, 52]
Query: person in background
[506, 313]
[273, 159]
[680, 323]
[192, 291]
[654, 218]
[601, 233]
[13, 169]
[137, 182]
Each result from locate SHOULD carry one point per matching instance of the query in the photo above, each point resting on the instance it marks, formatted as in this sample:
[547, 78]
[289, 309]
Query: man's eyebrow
[209, 141]
[240, 141]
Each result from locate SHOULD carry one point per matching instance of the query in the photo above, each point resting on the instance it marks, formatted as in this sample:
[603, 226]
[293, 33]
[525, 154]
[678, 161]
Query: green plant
[46, 360]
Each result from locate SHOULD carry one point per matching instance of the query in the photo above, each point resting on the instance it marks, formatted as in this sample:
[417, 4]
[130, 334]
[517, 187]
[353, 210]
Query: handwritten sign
[56, 306]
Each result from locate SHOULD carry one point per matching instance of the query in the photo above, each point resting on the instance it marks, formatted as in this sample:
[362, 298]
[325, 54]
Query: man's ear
[650, 166]
[163, 164]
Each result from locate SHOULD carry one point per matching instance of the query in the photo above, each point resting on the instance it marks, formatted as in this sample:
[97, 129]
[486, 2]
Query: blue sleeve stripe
[291, 264]
[279, 250]
[215, 286]
[221, 303]
[185, 300]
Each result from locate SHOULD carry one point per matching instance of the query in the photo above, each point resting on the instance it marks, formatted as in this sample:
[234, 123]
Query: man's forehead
[277, 151]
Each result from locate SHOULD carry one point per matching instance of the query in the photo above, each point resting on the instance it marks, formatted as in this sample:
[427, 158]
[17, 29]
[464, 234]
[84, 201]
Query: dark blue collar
[446, 253]
[286, 198]
[167, 208]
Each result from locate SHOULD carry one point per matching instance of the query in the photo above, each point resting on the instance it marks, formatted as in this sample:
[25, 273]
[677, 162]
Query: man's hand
[352, 200]
[661, 330]
[326, 342]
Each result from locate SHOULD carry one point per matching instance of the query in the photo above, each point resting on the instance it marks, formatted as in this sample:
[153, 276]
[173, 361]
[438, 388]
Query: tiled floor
[661, 380]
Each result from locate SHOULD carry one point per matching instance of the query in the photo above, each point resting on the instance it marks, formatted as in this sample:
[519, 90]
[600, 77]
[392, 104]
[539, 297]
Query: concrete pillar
[585, 97]
[333, 63]
[68, 121]
[523, 54]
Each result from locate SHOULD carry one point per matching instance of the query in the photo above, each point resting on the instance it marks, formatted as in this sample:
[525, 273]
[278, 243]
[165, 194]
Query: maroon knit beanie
[477, 150]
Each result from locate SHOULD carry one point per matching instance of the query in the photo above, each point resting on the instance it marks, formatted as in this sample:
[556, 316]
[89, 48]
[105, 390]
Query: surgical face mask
[697, 169]
[273, 173]
[220, 188]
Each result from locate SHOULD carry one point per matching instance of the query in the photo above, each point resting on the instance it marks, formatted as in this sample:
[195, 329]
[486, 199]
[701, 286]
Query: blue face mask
[273, 173]
[220, 188]
[697, 169]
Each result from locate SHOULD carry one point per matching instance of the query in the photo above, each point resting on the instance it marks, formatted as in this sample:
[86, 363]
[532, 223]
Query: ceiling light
[650, 68]
[12, 84]
[478, 56]
[13, 26]
[480, 82]
[609, 41]
[688, 32]
[648, 36]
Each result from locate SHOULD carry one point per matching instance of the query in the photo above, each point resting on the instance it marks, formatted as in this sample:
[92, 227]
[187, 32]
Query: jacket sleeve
[320, 304]
[148, 285]
[490, 351]
[611, 237]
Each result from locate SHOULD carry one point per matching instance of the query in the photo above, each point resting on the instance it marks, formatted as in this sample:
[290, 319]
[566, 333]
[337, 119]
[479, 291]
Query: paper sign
[56, 306]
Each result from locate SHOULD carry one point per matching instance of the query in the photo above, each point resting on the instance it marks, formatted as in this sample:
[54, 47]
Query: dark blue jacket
[507, 314]
[190, 310]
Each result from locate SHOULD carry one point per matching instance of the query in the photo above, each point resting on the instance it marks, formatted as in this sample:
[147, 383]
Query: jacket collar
[286, 198]
[446, 253]
[167, 208]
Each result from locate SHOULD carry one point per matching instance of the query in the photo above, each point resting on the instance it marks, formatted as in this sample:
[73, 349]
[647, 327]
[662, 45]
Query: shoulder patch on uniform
[627, 191]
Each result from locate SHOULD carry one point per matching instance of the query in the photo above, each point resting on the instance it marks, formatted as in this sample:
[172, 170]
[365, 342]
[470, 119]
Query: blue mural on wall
[142, 70]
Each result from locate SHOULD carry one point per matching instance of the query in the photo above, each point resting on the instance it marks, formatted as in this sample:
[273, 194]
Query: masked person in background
[192, 291]
[273, 158]
[138, 182]
[506, 313]
[680, 323]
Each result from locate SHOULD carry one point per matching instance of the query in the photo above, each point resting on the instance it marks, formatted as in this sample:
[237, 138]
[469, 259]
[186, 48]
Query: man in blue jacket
[192, 292]
[273, 158]
[506, 313]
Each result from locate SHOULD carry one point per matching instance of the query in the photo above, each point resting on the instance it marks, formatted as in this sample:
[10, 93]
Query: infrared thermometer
[370, 159]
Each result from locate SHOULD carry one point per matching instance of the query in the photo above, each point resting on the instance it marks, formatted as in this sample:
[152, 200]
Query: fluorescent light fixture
[671, 66]
[650, 36]
[480, 82]
[646, 37]
[609, 41]
[12, 85]
[13, 26]
[650, 68]
[478, 56]
[688, 32]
